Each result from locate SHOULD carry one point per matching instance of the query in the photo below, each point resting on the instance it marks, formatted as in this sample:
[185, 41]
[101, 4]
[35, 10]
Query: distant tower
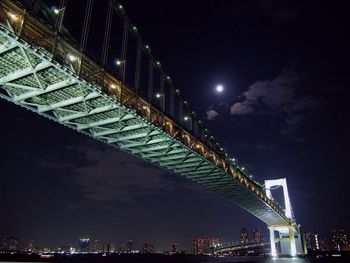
[257, 237]
[84, 243]
[244, 236]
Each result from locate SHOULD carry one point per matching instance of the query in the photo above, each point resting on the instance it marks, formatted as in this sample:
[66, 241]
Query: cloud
[280, 97]
[105, 176]
[212, 114]
[270, 95]
[241, 108]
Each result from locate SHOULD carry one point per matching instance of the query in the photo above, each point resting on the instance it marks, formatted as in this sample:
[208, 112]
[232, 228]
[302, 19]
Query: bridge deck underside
[30, 78]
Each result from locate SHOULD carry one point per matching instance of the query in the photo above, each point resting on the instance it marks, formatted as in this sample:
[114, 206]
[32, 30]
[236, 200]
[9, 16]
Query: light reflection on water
[167, 259]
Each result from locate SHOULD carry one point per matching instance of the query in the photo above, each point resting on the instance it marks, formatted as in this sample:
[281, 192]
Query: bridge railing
[194, 135]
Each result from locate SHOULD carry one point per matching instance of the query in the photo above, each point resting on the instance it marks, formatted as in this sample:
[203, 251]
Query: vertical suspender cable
[172, 102]
[181, 111]
[150, 80]
[58, 24]
[138, 65]
[195, 128]
[86, 25]
[85, 32]
[162, 93]
[124, 50]
[60, 16]
[107, 34]
[35, 6]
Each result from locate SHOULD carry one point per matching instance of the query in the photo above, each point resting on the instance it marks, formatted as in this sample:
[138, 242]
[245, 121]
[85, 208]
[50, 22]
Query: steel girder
[30, 78]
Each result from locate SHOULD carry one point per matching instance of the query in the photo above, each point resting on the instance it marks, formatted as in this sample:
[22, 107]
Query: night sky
[283, 113]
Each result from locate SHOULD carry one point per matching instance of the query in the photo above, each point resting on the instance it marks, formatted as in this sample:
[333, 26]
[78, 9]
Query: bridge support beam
[286, 241]
[273, 242]
[289, 237]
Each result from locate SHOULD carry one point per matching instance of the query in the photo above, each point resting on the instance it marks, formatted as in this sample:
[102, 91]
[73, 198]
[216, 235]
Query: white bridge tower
[286, 240]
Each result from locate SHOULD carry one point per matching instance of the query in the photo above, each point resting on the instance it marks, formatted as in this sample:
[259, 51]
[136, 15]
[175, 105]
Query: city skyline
[337, 240]
[258, 76]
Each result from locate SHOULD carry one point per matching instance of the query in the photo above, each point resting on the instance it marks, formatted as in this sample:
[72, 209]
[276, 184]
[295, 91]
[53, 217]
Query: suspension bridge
[136, 108]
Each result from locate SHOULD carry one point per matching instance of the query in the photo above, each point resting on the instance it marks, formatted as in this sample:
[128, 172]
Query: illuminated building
[339, 239]
[84, 243]
[257, 236]
[312, 241]
[244, 236]
[9, 244]
[129, 245]
[315, 242]
[203, 246]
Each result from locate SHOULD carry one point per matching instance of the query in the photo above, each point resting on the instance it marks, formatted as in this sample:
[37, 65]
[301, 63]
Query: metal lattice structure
[48, 75]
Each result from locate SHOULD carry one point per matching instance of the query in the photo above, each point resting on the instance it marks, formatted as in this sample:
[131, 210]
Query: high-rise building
[315, 242]
[113, 247]
[84, 243]
[257, 236]
[174, 248]
[203, 246]
[244, 236]
[9, 244]
[339, 239]
[147, 248]
[129, 245]
[30, 246]
[96, 245]
[312, 241]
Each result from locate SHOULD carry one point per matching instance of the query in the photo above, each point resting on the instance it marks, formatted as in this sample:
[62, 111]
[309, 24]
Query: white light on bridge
[56, 10]
[12, 16]
[71, 57]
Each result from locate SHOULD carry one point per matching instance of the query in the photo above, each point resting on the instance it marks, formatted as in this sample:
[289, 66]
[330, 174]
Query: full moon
[219, 88]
